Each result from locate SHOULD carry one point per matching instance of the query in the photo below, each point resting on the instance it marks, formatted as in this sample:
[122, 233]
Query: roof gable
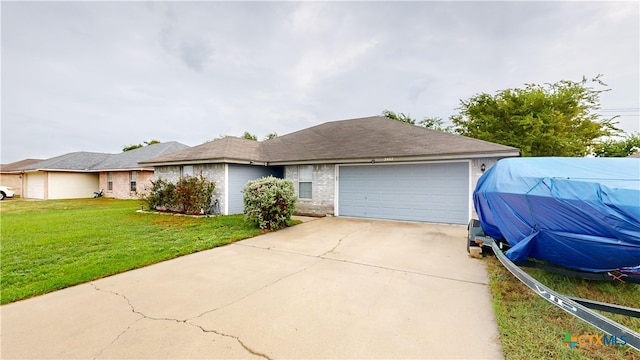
[344, 140]
[219, 150]
[372, 137]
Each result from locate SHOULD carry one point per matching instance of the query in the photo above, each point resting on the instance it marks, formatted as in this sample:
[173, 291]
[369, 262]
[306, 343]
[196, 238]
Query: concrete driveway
[328, 288]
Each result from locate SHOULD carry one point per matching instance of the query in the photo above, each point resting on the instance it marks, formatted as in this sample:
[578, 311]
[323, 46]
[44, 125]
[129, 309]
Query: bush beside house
[190, 195]
[269, 202]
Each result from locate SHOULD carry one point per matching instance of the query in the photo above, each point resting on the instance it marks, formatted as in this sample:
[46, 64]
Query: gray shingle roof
[16, 166]
[364, 138]
[229, 148]
[373, 137]
[129, 159]
[76, 161]
[91, 161]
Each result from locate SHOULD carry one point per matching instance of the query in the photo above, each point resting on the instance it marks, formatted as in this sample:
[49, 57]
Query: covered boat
[580, 213]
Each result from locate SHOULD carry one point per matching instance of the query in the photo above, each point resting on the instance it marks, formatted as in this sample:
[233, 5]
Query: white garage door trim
[461, 218]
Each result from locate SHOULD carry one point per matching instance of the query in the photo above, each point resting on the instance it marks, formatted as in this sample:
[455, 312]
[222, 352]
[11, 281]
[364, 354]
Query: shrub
[161, 196]
[191, 195]
[269, 202]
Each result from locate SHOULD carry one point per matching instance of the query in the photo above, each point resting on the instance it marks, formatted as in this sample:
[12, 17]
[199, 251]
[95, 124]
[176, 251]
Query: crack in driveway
[322, 256]
[188, 321]
[237, 338]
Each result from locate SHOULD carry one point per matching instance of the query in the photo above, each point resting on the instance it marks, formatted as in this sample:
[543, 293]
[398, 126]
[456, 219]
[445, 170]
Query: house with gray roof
[80, 174]
[11, 175]
[370, 167]
[122, 177]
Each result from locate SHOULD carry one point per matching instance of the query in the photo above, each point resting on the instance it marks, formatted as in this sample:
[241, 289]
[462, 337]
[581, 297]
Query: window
[110, 181]
[133, 178]
[305, 174]
[187, 170]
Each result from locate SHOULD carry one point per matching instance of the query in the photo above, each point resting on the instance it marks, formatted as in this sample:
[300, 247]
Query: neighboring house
[80, 174]
[370, 167]
[121, 176]
[63, 177]
[636, 155]
[11, 176]
[230, 162]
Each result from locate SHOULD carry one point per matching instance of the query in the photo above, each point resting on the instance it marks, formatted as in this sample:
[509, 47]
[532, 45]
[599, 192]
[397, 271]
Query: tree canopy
[618, 148]
[138, 146]
[247, 135]
[270, 136]
[542, 120]
[435, 123]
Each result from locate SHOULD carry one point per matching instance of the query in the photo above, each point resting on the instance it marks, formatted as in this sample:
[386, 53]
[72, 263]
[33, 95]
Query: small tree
[269, 202]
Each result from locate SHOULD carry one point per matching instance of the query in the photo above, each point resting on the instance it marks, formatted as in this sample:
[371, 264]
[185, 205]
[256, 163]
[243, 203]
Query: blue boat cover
[580, 213]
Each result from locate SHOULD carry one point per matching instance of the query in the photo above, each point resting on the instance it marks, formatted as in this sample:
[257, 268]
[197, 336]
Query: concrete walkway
[327, 288]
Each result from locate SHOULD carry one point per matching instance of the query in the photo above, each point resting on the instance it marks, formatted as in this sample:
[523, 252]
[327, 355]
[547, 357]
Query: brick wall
[14, 181]
[322, 193]
[122, 186]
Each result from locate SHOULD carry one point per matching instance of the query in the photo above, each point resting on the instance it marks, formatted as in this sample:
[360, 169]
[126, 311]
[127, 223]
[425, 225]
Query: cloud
[93, 76]
[196, 53]
[316, 65]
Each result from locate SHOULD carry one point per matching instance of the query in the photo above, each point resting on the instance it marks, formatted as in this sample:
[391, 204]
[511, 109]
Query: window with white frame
[305, 175]
[133, 179]
[109, 181]
[187, 170]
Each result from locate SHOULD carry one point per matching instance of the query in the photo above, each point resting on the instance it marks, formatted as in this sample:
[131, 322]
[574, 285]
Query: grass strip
[50, 245]
[531, 328]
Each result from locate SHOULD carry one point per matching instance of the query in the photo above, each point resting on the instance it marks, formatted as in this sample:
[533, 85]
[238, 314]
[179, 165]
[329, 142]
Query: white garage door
[418, 192]
[35, 185]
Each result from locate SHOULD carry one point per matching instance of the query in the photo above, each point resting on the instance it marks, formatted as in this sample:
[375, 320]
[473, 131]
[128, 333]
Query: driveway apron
[327, 288]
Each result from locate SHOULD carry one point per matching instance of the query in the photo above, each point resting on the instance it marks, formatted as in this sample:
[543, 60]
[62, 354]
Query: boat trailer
[479, 243]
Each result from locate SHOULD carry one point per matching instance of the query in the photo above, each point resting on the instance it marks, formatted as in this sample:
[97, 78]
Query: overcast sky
[96, 76]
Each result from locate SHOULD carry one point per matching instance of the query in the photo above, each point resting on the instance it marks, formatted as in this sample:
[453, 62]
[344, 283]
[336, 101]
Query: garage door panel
[35, 185]
[420, 192]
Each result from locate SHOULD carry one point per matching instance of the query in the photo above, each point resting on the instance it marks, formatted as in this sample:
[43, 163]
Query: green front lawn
[50, 245]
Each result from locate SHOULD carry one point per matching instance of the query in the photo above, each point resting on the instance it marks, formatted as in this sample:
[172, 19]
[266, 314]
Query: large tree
[558, 119]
